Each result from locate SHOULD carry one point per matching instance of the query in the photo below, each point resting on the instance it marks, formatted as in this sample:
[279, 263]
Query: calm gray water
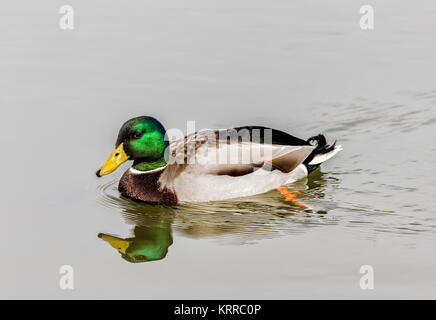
[300, 66]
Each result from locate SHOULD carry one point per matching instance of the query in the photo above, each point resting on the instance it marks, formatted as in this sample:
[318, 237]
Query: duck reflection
[151, 238]
[244, 220]
[148, 244]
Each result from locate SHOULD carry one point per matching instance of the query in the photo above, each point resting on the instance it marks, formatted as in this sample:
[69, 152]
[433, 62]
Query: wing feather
[212, 152]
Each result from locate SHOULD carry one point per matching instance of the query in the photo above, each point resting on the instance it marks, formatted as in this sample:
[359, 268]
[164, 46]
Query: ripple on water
[240, 220]
[363, 116]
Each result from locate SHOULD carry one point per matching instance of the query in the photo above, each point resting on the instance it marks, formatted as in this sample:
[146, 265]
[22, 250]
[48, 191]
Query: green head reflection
[151, 233]
[148, 244]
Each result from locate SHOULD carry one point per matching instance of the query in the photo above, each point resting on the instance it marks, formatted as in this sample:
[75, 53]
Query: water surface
[300, 66]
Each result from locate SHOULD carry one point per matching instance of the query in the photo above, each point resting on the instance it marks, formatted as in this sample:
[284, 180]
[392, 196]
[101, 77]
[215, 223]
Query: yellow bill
[117, 158]
[120, 244]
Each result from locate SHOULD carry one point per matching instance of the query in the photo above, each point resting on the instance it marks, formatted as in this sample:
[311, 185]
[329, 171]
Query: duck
[211, 164]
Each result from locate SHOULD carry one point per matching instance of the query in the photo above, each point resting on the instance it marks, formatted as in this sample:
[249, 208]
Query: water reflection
[238, 221]
[151, 239]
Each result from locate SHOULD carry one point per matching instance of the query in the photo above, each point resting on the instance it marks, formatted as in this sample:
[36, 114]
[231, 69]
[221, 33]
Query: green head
[141, 139]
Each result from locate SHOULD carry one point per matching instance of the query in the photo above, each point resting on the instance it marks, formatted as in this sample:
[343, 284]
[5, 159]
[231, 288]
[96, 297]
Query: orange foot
[291, 196]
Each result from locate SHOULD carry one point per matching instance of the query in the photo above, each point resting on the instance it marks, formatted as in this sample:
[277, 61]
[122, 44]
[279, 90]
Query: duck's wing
[234, 152]
[271, 136]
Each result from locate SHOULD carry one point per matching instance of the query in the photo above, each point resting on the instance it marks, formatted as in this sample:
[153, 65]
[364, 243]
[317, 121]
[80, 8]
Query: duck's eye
[137, 135]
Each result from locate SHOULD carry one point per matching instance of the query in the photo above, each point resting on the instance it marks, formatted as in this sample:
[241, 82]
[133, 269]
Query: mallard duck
[211, 165]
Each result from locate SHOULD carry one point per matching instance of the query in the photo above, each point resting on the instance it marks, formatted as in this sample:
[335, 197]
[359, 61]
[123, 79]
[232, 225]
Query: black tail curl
[321, 147]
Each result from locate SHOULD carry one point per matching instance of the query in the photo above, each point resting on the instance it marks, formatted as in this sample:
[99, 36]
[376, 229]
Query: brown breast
[145, 187]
